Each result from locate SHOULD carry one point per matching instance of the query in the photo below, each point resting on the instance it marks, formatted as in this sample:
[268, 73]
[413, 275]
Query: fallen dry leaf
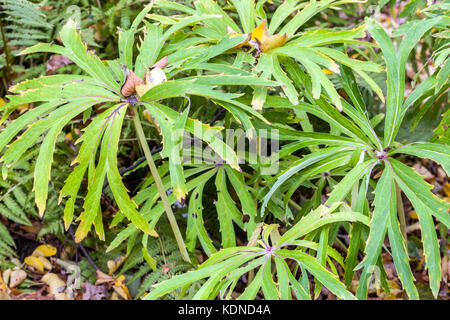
[57, 61]
[93, 292]
[56, 286]
[121, 289]
[113, 265]
[420, 169]
[17, 277]
[33, 229]
[103, 278]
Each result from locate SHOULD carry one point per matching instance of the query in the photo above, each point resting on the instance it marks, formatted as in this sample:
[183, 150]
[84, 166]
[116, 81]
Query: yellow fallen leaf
[35, 263]
[56, 286]
[47, 264]
[2, 102]
[120, 287]
[113, 265]
[44, 250]
[327, 72]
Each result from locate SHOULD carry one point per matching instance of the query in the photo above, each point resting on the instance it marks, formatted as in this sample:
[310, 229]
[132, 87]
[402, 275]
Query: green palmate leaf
[175, 161]
[211, 287]
[268, 286]
[74, 89]
[395, 66]
[230, 282]
[342, 189]
[246, 11]
[195, 227]
[180, 88]
[19, 123]
[45, 158]
[211, 135]
[414, 186]
[77, 51]
[282, 12]
[253, 288]
[91, 139]
[23, 142]
[385, 204]
[319, 79]
[322, 254]
[318, 218]
[328, 279]
[426, 205]
[434, 151]
[126, 38]
[154, 213]
[150, 48]
[331, 252]
[224, 213]
[302, 164]
[95, 186]
[232, 80]
[319, 37]
[216, 271]
[326, 165]
[418, 93]
[173, 132]
[359, 205]
[125, 204]
[247, 202]
[400, 256]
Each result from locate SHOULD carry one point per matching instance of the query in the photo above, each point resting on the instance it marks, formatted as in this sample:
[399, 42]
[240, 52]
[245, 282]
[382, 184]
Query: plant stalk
[159, 185]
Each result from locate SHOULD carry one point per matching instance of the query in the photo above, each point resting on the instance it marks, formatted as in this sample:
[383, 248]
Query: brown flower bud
[130, 84]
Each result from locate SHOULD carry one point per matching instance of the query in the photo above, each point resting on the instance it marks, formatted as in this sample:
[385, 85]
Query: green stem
[159, 185]
[401, 214]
